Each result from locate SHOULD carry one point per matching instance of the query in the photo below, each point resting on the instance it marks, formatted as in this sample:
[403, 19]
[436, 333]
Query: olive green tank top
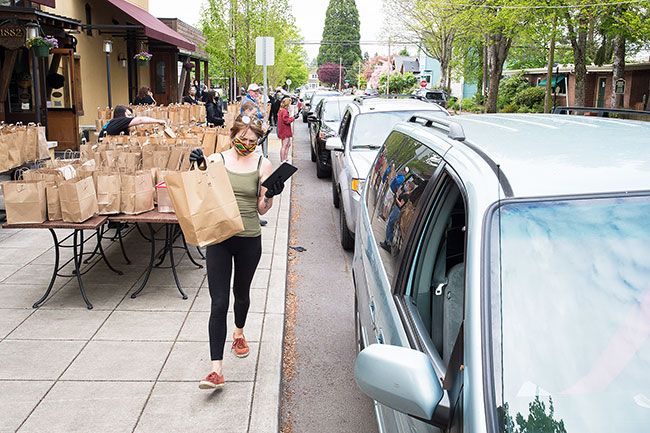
[246, 187]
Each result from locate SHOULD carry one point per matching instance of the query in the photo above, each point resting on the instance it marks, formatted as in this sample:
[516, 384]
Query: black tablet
[282, 173]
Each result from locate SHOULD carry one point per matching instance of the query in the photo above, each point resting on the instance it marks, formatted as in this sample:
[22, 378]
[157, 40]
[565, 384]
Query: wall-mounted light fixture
[31, 30]
[122, 59]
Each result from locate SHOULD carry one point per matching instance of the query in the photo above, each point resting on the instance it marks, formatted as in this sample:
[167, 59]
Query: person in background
[213, 111]
[246, 171]
[285, 133]
[253, 96]
[275, 107]
[199, 89]
[145, 97]
[190, 98]
[123, 120]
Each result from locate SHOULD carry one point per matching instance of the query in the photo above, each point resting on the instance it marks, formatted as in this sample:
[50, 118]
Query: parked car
[503, 284]
[432, 95]
[314, 100]
[324, 124]
[364, 126]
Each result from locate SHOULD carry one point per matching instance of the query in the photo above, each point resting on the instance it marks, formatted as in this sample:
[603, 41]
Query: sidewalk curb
[265, 407]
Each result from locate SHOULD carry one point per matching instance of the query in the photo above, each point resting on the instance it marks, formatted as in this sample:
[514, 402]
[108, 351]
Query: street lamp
[31, 30]
[108, 48]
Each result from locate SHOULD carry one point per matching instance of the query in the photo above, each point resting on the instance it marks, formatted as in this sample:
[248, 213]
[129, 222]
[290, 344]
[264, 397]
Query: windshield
[334, 110]
[571, 315]
[317, 98]
[371, 129]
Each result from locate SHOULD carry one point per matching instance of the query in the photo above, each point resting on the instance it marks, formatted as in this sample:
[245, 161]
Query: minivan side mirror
[400, 378]
[312, 118]
[334, 143]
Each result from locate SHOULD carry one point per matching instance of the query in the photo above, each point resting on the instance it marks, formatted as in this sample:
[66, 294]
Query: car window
[436, 283]
[399, 177]
[333, 110]
[371, 129]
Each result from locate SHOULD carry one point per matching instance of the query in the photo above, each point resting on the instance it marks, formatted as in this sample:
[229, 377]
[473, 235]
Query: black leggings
[246, 253]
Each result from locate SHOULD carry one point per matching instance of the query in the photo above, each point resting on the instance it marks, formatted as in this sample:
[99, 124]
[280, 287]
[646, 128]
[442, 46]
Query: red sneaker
[213, 380]
[240, 347]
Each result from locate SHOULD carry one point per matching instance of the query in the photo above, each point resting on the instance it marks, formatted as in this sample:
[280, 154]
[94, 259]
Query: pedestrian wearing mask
[213, 111]
[285, 133]
[145, 97]
[246, 171]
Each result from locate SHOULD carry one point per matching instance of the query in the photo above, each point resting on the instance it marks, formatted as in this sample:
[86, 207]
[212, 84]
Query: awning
[153, 27]
[554, 81]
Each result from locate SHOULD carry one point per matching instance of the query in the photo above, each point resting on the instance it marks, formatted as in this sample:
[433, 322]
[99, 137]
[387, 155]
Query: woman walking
[285, 133]
[246, 171]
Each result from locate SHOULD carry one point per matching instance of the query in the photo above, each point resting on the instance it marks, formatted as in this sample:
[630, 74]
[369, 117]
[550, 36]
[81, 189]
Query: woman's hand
[275, 189]
[197, 156]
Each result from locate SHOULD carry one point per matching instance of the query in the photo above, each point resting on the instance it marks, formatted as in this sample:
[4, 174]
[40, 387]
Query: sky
[310, 18]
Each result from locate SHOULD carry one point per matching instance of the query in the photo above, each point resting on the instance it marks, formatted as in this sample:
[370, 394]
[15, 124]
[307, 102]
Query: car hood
[362, 160]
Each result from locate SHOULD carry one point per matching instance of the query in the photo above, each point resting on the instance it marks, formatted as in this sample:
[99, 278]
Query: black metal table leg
[170, 246]
[79, 237]
[54, 273]
[119, 235]
[200, 253]
[189, 255]
[96, 250]
[151, 260]
[101, 250]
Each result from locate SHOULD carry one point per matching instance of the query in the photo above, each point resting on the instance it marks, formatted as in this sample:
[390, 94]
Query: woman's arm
[264, 203]
[144, 120]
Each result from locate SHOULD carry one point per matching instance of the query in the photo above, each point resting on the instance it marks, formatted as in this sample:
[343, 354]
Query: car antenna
[500, 280]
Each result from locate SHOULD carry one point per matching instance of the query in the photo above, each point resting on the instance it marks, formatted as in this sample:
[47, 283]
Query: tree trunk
[486, 63]
[497, 54]
[579, 45]
[481, 65]
[618, 70]
[549, 69]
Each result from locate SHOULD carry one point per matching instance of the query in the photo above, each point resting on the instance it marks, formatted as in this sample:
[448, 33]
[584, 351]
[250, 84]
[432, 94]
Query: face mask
[243, 147]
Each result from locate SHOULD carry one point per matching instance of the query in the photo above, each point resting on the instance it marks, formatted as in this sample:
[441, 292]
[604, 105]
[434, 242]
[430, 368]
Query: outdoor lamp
[31, 30]
[122, 59]
[108, 46]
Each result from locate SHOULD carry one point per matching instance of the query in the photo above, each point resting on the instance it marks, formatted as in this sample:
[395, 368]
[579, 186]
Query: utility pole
[390, 68]
[340, 71]
[359, 77]
[233, 53]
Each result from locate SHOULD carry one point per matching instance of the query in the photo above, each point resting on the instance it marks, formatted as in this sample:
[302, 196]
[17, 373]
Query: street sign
[423, 83]
[288, 81]
[619, 86]
[264, 51]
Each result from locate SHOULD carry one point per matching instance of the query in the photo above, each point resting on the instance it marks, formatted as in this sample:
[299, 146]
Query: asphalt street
[323, 396]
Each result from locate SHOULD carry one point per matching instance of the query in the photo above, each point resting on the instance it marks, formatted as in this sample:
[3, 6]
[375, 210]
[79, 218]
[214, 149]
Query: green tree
[399, 83]
[341, 34]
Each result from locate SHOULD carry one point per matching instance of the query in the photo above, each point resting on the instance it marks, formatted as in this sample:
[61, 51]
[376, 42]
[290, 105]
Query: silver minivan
[502, 276]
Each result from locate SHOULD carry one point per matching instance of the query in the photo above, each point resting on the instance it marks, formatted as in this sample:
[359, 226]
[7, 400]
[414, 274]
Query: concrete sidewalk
[133, 365]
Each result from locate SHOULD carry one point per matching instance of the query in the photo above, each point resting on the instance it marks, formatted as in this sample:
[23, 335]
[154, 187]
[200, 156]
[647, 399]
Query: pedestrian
[190, 98]
[123, 119]
[285, 132]
[213, 111]
[253, 96]
[145, 97]
[275, 107]
[246, 171]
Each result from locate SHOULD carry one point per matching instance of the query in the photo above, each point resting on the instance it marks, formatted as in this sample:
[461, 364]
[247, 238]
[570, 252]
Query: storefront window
[59, 93]
[161, 77]
[21, 91]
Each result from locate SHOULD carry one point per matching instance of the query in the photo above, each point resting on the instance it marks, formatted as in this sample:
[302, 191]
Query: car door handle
[371, 306]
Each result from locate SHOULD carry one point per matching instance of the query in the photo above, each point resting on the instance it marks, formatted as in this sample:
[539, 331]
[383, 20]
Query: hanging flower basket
[42, 46]
[143, 58]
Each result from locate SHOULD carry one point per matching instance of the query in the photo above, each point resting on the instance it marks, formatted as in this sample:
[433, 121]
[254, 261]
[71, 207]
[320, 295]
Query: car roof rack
[454, 130]
[361, 98]
[599, 111]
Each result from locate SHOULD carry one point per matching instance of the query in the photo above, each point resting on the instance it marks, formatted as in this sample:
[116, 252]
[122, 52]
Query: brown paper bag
[223, 143]
[53, 203]
[205, 204]
[162, 198]
[29, 147]
[209, 140]
[108, 193]
[43, 150]
[50, 175]
[175, 158]
[78, 199]
[25, 202]
[160, 158]
[137, 192]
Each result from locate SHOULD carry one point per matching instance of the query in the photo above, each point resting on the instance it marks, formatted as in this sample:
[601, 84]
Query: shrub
[509, 88]
[531, 97]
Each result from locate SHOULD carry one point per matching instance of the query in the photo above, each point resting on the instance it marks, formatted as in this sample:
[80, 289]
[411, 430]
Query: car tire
[322, 171]
[336, 198]
[347, 239]
[313, 154]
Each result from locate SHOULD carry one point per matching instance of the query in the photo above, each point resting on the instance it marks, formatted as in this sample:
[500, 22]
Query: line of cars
[501, 269]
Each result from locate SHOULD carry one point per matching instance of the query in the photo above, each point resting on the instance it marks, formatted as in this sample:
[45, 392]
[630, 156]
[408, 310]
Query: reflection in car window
[333, 110]
[571, 314]
[371, 129]
[398, 179]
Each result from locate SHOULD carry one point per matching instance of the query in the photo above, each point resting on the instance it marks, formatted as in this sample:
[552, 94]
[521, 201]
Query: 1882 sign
[12, 36]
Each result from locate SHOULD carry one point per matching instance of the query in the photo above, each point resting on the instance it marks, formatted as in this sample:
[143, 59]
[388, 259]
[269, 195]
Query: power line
[572, 6]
